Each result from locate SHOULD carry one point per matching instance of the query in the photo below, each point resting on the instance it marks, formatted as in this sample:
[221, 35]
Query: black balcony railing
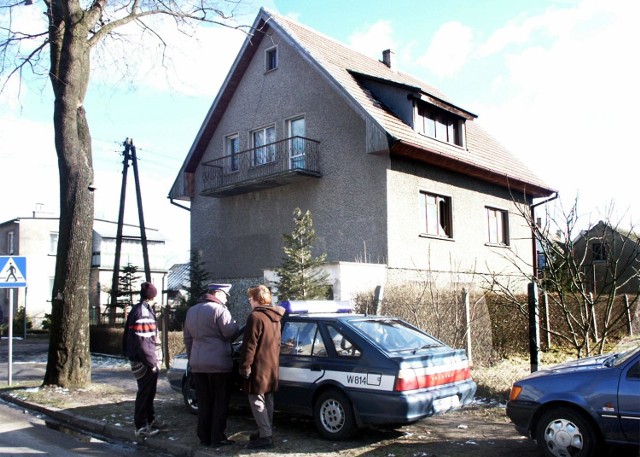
[261, 167]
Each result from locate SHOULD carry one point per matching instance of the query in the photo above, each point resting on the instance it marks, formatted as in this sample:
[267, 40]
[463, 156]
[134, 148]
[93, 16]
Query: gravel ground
[482, 430]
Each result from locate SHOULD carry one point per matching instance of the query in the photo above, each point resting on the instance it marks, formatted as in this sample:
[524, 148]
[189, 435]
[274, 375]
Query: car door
[302, 356]
[629, 400]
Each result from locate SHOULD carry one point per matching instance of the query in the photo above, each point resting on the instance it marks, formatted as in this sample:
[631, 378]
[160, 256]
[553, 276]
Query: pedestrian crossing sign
[13, 272]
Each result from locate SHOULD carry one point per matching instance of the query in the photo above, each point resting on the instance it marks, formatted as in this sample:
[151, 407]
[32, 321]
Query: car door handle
[316, 367]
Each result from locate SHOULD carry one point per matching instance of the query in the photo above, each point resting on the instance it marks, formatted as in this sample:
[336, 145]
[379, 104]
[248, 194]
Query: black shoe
[254, 436]
[223, 443]
[260, 443]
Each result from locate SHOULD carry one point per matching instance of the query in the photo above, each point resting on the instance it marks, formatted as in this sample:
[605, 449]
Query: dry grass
[494, 381]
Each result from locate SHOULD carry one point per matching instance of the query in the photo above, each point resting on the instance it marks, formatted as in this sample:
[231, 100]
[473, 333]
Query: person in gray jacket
[208, 332]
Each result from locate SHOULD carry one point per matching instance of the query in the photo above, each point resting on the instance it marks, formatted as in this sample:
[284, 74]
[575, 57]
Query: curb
[99, 428]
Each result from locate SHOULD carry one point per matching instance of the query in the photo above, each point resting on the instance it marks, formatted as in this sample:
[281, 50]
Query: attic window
[600, 251]
[439, 124]
[271, 56]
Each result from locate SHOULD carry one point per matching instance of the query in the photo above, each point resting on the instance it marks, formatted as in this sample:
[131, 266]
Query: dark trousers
[213, 391]
[144, 413]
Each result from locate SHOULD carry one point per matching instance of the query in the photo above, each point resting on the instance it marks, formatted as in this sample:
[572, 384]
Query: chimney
[387, 58]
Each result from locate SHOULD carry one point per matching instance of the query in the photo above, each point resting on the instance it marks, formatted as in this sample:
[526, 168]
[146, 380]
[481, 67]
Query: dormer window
[437, 123]
[271, 56]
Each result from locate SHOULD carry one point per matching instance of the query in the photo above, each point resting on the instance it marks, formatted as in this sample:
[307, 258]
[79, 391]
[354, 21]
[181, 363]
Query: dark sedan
[350, 370]
[575, 408]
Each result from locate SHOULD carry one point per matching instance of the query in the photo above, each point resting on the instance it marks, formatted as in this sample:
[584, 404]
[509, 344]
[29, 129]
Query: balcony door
[296, 135]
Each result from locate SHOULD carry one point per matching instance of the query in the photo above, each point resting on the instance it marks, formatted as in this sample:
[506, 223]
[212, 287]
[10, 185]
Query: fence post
[534, 333]
[465, 297]
[628, 309]
[165, 335]
[377, 299]
[547, 325]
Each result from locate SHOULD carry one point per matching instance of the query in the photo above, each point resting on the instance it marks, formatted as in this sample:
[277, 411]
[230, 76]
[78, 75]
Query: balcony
[262, 167]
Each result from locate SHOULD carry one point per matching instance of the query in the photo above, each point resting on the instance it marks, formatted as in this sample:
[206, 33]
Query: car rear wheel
[189, 393]
[333, 415]
[562, 432]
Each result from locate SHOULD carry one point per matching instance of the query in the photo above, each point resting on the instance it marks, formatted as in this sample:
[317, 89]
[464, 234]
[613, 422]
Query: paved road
[22, 432]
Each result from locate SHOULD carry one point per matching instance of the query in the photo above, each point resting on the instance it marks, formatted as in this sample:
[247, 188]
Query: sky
[555, 81]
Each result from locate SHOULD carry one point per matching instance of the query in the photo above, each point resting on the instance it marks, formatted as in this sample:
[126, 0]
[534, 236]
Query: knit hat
[148, 291]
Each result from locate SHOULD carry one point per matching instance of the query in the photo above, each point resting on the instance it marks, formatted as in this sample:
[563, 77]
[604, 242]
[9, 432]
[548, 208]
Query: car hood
[580, 365]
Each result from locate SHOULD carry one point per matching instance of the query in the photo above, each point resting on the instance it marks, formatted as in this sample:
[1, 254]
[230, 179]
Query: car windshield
[395, 335]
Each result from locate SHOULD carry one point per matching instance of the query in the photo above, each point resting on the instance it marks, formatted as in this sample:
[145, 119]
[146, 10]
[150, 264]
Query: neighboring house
[36, 238]
[402, 183]
[609, 256]
[177, 282]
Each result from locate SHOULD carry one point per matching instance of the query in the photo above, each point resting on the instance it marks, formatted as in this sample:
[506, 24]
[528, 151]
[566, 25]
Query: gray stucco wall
[241, 235]
[468, 251]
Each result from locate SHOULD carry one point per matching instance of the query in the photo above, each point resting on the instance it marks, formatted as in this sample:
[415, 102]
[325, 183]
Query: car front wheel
[333, 415]
[189, 393]
[562, 432]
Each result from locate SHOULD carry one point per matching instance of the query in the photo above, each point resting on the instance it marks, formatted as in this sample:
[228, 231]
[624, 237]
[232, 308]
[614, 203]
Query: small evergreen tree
[126, 282]
[198, 279]
[301, 276]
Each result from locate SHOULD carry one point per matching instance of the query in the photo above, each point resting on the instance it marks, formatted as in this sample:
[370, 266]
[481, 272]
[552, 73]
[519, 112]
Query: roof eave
[513, 183]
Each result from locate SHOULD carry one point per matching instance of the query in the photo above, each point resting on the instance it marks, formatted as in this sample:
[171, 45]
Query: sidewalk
[106, 407]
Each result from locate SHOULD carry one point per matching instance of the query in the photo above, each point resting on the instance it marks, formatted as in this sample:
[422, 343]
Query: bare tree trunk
[69, 362]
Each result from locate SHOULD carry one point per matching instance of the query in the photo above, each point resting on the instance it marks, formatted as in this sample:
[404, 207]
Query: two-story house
[608, 257]
[36, 238]
[401, 181]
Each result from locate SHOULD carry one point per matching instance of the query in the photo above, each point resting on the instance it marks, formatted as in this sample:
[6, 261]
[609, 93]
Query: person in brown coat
[259, 362]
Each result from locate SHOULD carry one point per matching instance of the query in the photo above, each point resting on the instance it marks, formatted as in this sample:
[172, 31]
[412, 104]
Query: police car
[351, 370]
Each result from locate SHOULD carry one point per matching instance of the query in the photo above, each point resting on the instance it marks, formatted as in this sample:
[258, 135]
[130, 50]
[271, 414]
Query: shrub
[439, 312]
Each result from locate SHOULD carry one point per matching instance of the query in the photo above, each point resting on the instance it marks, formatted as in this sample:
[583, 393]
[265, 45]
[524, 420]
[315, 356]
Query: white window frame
[296, 145]
[54, 237]
[269, 63]
[233, 160]
[266, 152]
[436, 215]
[497, 226]
[10, 243]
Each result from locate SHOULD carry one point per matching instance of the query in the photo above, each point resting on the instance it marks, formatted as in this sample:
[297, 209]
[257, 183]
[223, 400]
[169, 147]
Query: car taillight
[411, 379]
[515, 392]
[406, 380]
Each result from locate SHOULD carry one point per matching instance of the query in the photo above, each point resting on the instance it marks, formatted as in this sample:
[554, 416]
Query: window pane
[300, 338]
[270, 139]
[259, 153]
[436, 211]
[441, 129]
[342, 345]
[432, 215]
[232, 152]
[53, 243]
[272, 59]
[497, 224]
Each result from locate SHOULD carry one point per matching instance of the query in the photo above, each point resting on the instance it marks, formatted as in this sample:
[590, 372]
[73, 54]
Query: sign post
[13, 275]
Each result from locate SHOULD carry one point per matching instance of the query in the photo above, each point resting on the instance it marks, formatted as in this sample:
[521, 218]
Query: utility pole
[129, 153]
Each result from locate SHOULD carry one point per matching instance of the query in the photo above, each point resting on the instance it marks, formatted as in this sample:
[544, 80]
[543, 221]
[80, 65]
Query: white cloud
[570, 112]
[193, 62]
[371, 41]
[449, 49]
[30, 167]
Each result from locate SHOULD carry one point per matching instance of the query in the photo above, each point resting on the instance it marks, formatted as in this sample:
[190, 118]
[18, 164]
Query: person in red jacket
[139, 346]
[259, 362]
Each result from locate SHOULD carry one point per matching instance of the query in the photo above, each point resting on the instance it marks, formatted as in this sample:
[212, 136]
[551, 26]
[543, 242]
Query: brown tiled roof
[484, 157]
